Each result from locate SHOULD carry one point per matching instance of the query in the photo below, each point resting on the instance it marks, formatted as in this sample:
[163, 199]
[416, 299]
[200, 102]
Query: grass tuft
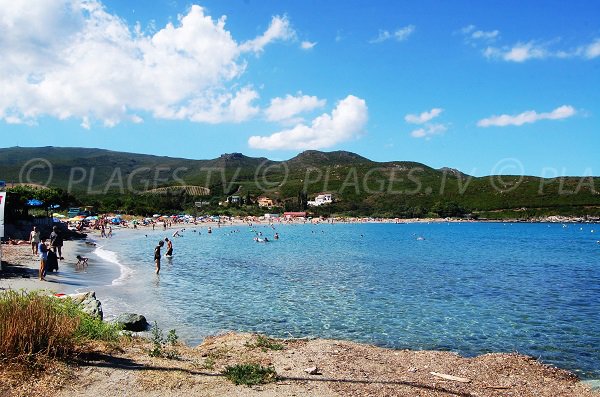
[250, 374]
[265, 344]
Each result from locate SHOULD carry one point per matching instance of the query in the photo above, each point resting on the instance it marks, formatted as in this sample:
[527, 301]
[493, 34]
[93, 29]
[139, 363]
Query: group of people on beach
[49, 251]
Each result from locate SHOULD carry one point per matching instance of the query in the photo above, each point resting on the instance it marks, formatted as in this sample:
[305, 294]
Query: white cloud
[307, 45]
[279, 29]
[402, 34]
[522, 52]
[286, 109]
[592, 50]
[428, 131]
[480, 34]
[423, 117]
[530, 116]
[399, 35]
[472, 34]
[347, 121]
[73, 59]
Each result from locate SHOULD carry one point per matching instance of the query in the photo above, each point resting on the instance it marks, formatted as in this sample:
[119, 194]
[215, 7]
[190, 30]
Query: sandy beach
[20, 270]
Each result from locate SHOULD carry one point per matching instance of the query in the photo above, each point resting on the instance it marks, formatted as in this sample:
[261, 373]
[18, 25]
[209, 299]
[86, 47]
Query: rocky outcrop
[132, 322]
[88, 303]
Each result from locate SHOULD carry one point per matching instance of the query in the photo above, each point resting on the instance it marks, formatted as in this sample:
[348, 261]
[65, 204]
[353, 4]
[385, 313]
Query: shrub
[32, 324]
[250, 374]
[266, 343]
[160, 345]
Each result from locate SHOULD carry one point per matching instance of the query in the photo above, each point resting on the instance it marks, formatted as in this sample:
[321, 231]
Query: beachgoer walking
[169, 247]
[109, 232]
[56, 241]
[34, 240]
[157, 255]
[102, 232]
[43, 254]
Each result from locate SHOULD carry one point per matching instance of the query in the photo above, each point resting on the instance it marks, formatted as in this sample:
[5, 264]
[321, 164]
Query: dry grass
[32, 325]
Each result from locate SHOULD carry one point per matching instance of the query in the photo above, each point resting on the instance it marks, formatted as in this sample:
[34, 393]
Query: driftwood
[451, 377]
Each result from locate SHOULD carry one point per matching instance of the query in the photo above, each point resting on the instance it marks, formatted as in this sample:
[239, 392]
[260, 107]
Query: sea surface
[470, 288]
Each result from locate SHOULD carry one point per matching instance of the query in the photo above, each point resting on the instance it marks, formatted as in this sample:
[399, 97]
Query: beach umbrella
[56, 215]
[34, 203]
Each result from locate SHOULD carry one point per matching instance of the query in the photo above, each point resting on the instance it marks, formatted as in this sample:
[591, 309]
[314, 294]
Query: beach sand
[20, 270]
[343, 369]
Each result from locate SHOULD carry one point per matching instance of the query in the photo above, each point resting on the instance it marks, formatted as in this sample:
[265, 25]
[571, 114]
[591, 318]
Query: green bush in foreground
[265, 344]
[250, 374]
[33, 324]
[162, 347]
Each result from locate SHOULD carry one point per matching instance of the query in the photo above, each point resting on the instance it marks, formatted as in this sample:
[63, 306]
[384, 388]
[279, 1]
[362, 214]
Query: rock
[88, 302]
[132, 322]
[312, 371]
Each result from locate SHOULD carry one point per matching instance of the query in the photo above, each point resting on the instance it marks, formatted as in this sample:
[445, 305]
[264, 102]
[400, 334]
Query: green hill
[119, 180]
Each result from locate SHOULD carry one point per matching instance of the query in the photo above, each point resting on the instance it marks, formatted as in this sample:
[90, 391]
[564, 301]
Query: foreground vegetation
[35, 326]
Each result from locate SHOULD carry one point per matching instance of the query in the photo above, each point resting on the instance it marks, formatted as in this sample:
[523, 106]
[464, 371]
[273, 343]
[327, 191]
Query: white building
[321, 199]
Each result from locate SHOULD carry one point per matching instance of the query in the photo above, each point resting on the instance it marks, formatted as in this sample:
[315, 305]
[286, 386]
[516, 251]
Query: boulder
[132, 322]
[88, 302]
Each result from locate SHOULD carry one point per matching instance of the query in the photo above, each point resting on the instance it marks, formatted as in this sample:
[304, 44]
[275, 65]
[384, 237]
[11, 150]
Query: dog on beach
[82, 261]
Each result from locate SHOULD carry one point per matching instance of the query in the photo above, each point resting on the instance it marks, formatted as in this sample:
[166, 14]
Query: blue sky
[485, 87]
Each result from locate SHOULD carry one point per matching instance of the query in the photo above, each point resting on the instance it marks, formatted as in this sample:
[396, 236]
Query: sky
[487, 87]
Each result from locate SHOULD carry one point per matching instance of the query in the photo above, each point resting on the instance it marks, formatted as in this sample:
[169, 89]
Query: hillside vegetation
[132, 183]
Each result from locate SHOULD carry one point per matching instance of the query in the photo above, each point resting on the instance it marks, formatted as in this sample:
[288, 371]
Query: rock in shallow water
[132, 322]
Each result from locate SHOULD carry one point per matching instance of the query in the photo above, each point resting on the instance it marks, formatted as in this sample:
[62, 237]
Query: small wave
[111, 256]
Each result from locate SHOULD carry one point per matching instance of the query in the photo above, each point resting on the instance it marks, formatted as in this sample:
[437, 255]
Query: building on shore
[321, 199]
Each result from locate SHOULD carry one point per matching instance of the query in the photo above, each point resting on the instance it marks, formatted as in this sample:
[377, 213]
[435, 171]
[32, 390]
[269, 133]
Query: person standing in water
[169, 252]
[157, 255]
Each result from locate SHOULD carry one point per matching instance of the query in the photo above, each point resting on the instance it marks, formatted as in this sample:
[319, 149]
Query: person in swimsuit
[157, 255]
[169, 247]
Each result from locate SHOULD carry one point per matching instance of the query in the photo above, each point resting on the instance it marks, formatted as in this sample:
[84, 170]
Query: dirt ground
[344, 369]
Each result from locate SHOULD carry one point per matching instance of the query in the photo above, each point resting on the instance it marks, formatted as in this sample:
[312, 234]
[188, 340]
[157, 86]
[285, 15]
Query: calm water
[469, 288]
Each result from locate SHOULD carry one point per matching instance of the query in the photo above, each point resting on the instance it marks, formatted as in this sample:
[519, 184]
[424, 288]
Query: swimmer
[176, 234]
[276, 236]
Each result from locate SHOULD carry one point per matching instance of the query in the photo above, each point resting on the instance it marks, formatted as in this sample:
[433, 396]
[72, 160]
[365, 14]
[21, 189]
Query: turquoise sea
[471, 288]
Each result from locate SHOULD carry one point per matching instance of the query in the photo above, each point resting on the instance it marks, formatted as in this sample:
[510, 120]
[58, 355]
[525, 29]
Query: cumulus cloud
[399, 35]
[73, 59]
[347, 121]
[423, 117]
[428, 131]
[530, 116]
[521, 52]
[307, 45]
[286, 109]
